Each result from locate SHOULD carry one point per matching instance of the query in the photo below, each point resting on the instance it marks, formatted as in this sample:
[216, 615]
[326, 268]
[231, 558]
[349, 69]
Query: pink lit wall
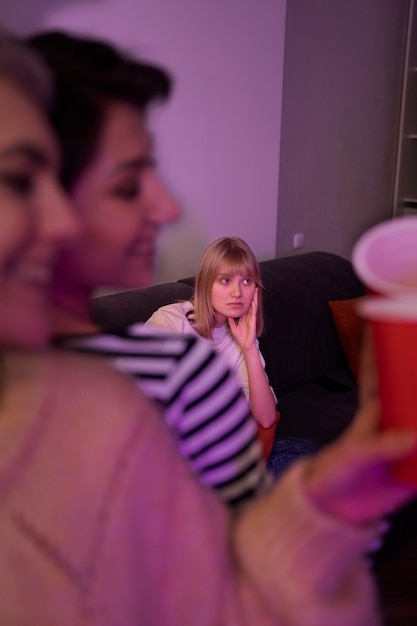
[218, 140]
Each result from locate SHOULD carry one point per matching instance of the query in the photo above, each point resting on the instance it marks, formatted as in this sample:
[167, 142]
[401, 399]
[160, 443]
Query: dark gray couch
[306, 366]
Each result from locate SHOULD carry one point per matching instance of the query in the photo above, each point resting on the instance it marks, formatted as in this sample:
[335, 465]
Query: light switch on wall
[298, 240]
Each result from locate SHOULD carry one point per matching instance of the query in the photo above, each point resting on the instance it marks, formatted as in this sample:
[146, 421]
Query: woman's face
[122, 204]
[231, 294]
[35, 218]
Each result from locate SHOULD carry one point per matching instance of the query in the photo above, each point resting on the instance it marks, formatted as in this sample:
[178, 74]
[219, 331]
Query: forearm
[307, 566]
[261, 399]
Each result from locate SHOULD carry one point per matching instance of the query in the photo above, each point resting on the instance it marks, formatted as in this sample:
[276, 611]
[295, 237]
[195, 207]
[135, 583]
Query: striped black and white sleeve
[201, 401]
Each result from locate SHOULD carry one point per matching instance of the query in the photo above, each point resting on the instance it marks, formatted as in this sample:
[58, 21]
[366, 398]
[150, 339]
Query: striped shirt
[201, 400]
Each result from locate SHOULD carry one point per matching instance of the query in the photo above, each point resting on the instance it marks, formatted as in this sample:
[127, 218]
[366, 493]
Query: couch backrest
[300, 343]
[117, 310]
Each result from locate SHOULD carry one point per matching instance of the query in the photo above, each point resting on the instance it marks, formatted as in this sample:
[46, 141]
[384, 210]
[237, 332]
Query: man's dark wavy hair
[89, 74]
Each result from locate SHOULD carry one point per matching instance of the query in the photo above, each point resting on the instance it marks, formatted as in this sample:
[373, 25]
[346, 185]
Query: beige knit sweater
[103, 524]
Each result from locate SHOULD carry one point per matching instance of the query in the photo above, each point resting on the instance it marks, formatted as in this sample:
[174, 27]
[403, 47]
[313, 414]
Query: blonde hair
[232, 255]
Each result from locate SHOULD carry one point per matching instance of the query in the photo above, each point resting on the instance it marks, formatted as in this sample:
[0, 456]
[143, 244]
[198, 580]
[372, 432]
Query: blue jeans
[286, 450]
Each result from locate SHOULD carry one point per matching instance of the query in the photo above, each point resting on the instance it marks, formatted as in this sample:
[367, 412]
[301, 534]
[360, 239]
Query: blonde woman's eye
[247, 281]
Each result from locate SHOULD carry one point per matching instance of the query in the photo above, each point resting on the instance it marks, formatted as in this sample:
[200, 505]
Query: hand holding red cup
[385, 259]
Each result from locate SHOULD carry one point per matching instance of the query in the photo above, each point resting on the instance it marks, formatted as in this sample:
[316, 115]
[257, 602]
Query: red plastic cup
[385, 257]
[393, 324]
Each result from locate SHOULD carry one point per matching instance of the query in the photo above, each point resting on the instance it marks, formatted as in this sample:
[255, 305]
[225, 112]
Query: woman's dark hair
[89, 74]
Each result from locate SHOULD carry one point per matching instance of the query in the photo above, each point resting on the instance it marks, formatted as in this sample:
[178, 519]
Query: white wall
[218, 140]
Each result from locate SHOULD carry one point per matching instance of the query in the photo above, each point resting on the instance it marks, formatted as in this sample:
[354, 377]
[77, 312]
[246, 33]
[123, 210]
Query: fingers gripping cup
[385, 257]
[393, 323]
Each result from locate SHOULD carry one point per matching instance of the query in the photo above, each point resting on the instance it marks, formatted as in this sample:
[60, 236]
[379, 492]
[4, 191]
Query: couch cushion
[320, 410]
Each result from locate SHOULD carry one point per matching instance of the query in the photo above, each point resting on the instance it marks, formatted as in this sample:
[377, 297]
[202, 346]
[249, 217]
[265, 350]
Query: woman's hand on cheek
[244, 329]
